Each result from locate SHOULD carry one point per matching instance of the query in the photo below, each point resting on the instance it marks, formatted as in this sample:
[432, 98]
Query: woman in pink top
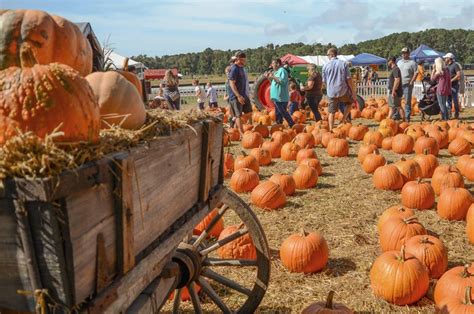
[441, 75]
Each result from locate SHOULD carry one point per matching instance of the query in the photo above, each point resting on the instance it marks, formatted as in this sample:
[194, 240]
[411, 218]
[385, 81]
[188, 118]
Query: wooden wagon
[115, 235]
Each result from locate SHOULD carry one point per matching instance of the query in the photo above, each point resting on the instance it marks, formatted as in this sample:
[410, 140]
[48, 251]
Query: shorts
[394, 102]
[237, 109]
[335, 101]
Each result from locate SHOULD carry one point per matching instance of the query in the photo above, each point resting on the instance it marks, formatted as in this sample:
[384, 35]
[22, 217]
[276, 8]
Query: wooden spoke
[176, 300]
[224, 241]
[206, 272]
[206, 287]
[213, 222]
[195, 298]
[210, 261]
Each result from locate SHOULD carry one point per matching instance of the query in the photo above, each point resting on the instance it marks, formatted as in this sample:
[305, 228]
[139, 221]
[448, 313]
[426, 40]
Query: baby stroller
[428, 105]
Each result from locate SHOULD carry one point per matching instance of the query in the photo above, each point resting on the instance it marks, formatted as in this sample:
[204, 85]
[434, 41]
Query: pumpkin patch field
[379, 228]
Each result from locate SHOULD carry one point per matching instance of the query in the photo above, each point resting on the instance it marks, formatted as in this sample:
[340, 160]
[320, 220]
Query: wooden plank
[217, 155]
[205, 180]
[13, 272]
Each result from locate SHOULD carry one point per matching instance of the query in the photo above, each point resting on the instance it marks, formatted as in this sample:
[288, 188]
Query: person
[365, 74]
[462, 87]
[313, 90]
[441, 75]
[171, 91]
[279, 91]
[200, 94]
[420, 74]
[212, 95]
[374, 76]
[294, 103]
[238, 97]
[455, 73]
[338, 81]
[227, 93]
[395, 90]
[408, 69]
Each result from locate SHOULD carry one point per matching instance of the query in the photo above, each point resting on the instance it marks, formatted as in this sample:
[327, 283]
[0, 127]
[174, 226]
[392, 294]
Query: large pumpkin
[399, 278]
[251, 139]
[418, 195]
[244, 180]
[314, 163]
[305, 177]
[397, 230]
[453, 283]
[430, 251]
[50, 39]
[364, 150]
[459, 146]
[409, 169]
[464, 305]
[327, 307]
[41, 98]
[387, 177]
[304, 252]
[263, 156]
[426, 143]
[338, 147]
[132, 78]
[246, 161]
[446, 177]
[240, 248]
[465, 164]
[453, 203]
[119, 101]
[402, 144]
[268, 195]
[427, 163]
[289, 151]
[273, 147]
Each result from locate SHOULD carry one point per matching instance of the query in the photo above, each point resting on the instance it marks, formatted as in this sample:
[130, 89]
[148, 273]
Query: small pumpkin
[446, 177]
[286, 182]
[427, 162]
[431, 252]
[338, 147]
[263, 156]
[397, 230]
[306, 252]
[246, 161]
[418, 195]
[240, 248]
[402, 144]
[453, 203]
[373, 161]
[216, 230]
[305, 177]
[251, 140]
[387, 177]
[328, 306]
[244, 180]
[364, 150]
[281, 137]
[387, 143]
[314, 163]
[459, 146]
[357, 132]
[289, 151]
[268, 195]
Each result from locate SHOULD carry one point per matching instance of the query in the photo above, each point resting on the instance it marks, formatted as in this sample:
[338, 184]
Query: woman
[171, 91]
[441, 75]
[313, 90]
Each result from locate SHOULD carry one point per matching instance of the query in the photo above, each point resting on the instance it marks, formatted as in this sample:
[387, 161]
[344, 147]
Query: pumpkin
[314, 163]
[441, 137]
[226, 139]
[132, 78]
[328, 306]
[234, 134]
[387, 143]
[119, 101]
[387, 177]
[318, 136]
[415, 131]
[265, 120]
[41, 98]
[240, 248]
[268, 195]
[418, 195]
[228, 164]
[273, 147]
[262, 129]
[185, 295]
[426, 143]
[281, 137]
[465, 164]
[391, 124]
[364, 150]
[247, 127]
[394, 211]
[397, 230]
[304, 140]
[298, 128]
[402, 144]
[399, 278]
[286, 182]
[326, 137]
[453, 203]
[373, 161]
[289, 151]
[48, 37]
[291, 133]
[246, 161]
[299, 117]
[216, 230]
[373, 137]
[251, 140]
[459, 305]
[357, 132]
[305, 177]
[338, 147]
[431, 252]
[276, 127]
[409, 169]
[453, 283]
[244, 180]
[263, 156]
[459, 146]
[304, 252]
[305, 153]
[470, 224]
[427, 163]
[446, 177]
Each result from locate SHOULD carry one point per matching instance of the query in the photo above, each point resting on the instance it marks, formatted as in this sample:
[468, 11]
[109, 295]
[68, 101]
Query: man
[212, 95]
[395, 90]
[279, 93]
[455, 72]
[409, 71]
[338, 81]
[238, 98]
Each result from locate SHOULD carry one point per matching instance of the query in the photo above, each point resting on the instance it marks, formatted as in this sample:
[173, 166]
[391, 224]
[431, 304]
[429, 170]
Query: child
[200, 94]
[295, 98]
[212, 95]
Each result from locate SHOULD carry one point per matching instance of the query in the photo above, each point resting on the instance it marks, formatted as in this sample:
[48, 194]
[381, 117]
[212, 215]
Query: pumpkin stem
[468, 296]
[426, 240]
[426, 151]
[410, 219]
[303, 232]
[419, 180]
[402, 253]
[329, 300]
[465, 272]
[27, 58]
[244, 153]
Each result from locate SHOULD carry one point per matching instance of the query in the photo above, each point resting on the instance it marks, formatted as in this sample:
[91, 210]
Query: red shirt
[295, 96]
[444, 83]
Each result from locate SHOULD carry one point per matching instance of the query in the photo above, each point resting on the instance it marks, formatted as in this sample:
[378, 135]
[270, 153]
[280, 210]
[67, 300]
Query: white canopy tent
[117, 61]
[322, 60]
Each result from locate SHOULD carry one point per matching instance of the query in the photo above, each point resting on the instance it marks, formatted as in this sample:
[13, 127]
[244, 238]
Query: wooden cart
[115, 235]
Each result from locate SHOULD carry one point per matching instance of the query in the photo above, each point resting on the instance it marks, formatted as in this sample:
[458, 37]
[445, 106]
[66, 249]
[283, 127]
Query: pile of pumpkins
[47, 82]
[377, 109]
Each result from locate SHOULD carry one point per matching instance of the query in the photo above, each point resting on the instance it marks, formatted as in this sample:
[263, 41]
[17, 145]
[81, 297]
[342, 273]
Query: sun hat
[449, 55]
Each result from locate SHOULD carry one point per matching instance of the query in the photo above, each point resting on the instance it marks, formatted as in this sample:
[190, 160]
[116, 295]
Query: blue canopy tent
[425, 53]
[367, 59]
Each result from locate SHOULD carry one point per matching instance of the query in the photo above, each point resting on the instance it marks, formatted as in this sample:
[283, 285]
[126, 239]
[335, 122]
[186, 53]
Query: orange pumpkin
[418, 195]
[216, 230]
[268, 195]
[394, 211]
[251, 140]
[364, 150]
[289, 151]
[397, 230]
[470, 224]
[338, 147]
[132, 78]
[453, 283]
[430, 251]
[246, 161]
[240, 248]
[446, 177]
[453, 203]
[427, 163]
[286, 182]
[273, 147]
[373, 161]
[328, 306]
[228, 164]
[459, 305]
[263, 156]
[387, 177]
[305, 177]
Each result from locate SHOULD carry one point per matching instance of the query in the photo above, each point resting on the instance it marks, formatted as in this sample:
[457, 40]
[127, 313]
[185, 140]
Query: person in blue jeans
[279, 93]
[409, 71]
[455, 72]
[313, 90]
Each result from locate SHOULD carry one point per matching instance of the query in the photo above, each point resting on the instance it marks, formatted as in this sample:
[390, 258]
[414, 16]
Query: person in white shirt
[212, 95]
[200, 94]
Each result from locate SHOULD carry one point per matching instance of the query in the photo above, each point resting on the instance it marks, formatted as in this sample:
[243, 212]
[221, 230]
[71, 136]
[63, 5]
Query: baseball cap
[449, 55]
[405, 49]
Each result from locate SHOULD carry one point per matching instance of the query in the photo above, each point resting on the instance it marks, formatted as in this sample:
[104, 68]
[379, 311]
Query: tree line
[458, 41]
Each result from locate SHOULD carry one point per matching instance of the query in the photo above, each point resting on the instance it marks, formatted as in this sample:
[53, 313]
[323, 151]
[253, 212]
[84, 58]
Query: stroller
[428, 105]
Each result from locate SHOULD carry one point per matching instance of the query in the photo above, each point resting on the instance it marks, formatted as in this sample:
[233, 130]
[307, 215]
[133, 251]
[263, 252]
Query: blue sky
[160, 27]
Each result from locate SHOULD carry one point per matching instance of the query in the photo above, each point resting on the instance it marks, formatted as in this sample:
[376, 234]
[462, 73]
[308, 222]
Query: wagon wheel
[200, 267]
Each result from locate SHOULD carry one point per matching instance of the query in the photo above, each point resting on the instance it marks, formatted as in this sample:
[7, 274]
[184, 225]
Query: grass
[345, 208]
